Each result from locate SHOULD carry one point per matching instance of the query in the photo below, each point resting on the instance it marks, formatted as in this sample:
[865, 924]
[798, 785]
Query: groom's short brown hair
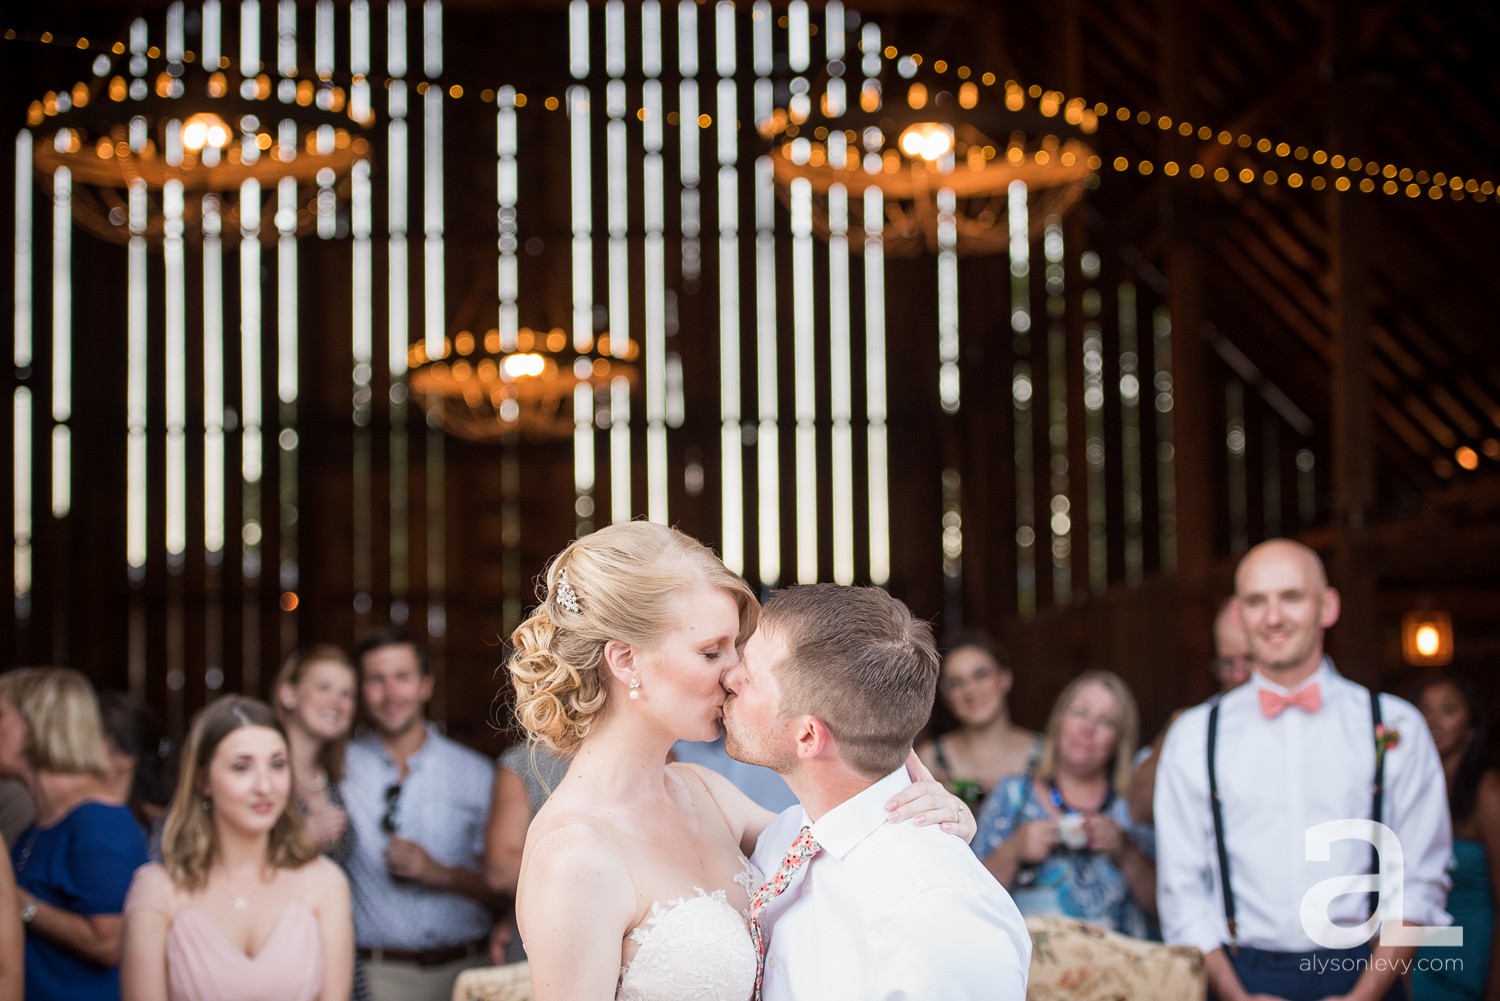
[857, 659]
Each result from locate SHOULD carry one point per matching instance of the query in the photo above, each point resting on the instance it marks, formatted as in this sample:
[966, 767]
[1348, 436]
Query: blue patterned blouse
[1077, 884]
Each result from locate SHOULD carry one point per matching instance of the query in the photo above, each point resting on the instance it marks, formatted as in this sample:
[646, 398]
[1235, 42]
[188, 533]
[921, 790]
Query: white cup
[1070, 831]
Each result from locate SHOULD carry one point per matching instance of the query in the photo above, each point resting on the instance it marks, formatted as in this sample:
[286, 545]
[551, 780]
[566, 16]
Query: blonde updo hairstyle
[620, 583]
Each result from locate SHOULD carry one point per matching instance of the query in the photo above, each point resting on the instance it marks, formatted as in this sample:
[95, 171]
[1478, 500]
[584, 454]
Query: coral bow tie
[1273, 704]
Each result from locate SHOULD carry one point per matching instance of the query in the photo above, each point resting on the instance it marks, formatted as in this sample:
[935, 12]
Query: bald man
[1296, 747]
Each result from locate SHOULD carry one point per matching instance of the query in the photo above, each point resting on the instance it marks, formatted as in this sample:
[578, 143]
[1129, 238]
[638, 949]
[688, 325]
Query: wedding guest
[418, 803]
[314, 700]
[1244, 778]
[12, 938]
[1460, 728]
[984, 746]
[17, 811]
[73, 865]
[140, 774]
[243, 906]
[1062, 840]
[525, 775]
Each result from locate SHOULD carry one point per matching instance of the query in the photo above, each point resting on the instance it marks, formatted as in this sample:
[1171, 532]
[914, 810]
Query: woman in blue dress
[74, 864]
[1458, 724]
[1061, 839]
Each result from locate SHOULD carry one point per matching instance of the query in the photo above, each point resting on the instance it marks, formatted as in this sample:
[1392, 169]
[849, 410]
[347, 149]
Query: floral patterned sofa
[1070, 961]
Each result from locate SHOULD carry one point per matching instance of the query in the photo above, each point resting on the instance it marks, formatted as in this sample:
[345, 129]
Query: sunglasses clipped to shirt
[392, 799]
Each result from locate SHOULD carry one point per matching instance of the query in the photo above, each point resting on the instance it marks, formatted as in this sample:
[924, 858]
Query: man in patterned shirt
[417, 803]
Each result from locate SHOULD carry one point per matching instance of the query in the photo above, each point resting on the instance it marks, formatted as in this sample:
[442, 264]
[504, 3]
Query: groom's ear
[814, 738]
[619, 658]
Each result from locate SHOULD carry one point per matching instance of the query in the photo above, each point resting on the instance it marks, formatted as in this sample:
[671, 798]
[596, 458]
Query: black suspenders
[1377, 796]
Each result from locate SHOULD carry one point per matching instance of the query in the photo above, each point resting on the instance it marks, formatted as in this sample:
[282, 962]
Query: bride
[634, 883]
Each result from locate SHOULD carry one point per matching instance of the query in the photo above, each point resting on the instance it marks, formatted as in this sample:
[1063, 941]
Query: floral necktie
[792, 862]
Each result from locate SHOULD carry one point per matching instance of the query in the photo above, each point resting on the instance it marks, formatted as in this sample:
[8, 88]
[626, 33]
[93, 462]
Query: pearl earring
[635, 688]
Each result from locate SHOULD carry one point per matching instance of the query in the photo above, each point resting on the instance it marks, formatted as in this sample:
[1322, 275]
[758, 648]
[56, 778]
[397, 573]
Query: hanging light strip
[687, 131]
[21, 434]
[1061, 514]
[768, 408]
[62, 333]
[617, 215]
[655, 293]
[840, 368]
[213, 381]
[287, 379]
[731, 442]
[1238, 488]
[398, 337]
[1094, 451]
[804, 339]
[581, 158]
[22, 324]
[1166, 459]
[432, 208]
[877, 443]
[507, 189]
[174, 357]
[1023, 393]
[878, 447]
[21, 519]
[136, 385]
[1130, 433]
[437, 514]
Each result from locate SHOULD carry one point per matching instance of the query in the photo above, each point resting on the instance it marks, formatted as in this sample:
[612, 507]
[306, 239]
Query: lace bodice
[694, 947]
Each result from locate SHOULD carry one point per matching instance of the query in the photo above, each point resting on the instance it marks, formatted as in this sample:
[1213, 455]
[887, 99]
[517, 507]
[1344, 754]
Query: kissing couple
[649, 881]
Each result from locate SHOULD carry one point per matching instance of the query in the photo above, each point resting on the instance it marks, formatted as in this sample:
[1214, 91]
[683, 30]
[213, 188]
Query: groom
[831, 692]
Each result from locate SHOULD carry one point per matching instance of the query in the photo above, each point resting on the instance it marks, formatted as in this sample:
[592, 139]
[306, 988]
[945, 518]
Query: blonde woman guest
[243, 907]
[315, 694]
[634, 883]
[73, 865]
[1062, 840]
[12, 939]
[314, 700]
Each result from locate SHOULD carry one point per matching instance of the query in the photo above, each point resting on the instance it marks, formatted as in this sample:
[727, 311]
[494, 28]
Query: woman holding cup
[1061, 840]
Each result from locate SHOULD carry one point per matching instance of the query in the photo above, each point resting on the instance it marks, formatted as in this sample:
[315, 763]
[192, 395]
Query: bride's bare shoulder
[576, 851]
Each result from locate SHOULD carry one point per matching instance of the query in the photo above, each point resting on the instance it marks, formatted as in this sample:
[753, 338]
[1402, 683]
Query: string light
[1438, 186]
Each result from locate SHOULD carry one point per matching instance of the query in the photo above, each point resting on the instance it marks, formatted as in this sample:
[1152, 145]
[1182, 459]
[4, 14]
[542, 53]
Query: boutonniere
[1385, 740]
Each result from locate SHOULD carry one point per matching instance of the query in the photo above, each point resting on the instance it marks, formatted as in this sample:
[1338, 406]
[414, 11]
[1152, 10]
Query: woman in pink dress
[244, 907]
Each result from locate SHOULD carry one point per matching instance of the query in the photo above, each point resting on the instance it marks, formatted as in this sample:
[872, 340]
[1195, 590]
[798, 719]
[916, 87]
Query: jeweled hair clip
[566, 596]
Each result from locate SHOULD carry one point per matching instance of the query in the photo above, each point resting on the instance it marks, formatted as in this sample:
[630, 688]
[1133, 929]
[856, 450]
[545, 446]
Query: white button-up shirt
[1278, 778]
[887, 911]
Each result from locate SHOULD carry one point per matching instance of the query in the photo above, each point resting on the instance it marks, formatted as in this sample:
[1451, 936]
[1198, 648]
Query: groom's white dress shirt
[887, 911]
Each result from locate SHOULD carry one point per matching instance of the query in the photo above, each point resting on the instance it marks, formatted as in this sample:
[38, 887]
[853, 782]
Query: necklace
[317, 785]
[1063, 805]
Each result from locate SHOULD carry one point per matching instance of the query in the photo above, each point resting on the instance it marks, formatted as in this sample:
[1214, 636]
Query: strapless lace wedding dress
[694, 948]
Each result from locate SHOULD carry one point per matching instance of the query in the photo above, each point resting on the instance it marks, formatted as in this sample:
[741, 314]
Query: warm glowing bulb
[519, 365]
[204, 129]
[1428, 640]
[927, 140]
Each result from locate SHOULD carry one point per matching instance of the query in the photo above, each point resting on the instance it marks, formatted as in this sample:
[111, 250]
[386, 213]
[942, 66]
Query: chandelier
[477, 389]
[199, 129]
[940, 137]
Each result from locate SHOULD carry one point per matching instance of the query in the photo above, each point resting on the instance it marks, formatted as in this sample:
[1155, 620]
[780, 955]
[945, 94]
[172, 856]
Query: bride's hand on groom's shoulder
[926, 801]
